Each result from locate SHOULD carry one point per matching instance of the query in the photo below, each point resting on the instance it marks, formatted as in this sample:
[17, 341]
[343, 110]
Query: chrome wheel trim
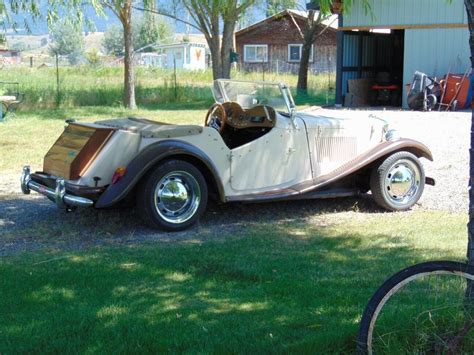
[177, 197]
[402, 182]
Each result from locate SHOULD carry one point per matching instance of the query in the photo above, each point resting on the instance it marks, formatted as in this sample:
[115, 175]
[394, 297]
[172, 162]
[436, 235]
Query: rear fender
[149, 157]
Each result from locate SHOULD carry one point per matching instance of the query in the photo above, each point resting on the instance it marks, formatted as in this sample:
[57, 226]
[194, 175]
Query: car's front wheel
[398, 182]
[172, 196]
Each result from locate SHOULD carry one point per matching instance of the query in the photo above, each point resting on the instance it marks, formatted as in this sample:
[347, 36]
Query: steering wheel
[216, 114]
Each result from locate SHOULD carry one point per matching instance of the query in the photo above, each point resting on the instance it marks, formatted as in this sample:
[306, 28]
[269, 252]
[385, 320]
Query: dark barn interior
[372, 68]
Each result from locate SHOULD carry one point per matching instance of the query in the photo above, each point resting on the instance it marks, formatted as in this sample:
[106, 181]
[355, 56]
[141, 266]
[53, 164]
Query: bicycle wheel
[421, 309]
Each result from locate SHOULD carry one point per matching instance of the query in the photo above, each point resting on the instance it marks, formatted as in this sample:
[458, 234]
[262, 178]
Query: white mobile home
[184, 55]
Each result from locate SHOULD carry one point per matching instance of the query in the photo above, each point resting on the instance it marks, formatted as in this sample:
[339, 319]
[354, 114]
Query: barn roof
[331, 21]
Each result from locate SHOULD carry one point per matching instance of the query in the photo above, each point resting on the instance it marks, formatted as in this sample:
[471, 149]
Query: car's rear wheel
[172, 196]
[398, 182]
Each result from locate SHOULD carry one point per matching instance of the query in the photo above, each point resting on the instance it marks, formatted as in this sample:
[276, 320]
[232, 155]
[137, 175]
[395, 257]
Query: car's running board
[311, 195]
[322, 194]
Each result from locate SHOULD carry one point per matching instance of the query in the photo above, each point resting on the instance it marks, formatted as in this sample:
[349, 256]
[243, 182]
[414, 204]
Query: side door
[278, 160]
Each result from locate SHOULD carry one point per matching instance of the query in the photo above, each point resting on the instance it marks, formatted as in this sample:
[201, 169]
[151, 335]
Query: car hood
[342, 119]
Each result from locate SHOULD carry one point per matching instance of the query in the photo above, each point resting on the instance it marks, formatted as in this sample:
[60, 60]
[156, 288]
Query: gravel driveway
[25, 220]
[447, 135]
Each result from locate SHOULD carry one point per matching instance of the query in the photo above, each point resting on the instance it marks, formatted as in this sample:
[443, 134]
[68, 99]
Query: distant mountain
[40, 26]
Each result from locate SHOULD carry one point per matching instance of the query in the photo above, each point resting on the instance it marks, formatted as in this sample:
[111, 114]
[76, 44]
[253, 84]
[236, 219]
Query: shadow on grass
[272, 291]
[41, 225]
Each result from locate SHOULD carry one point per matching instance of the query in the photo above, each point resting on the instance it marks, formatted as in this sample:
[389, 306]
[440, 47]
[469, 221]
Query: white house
[149, 59]
[184, 55]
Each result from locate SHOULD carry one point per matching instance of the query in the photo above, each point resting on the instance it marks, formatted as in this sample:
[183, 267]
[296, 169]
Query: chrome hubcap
[402, 182]
[177, 197]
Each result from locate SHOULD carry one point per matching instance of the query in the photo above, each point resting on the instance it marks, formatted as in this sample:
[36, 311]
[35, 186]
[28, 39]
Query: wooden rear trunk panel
[74, 150]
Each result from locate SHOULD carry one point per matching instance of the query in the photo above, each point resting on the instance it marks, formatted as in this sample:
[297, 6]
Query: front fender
[145, 160]
[389, 147]
[382, 150]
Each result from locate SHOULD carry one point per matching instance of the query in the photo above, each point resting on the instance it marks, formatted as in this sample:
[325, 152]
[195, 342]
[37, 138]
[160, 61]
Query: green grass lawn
[103, 86]
[275, 287]
[278, 278]
[26, 137]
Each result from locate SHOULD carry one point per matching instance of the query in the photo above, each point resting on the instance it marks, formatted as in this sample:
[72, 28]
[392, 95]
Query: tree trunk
[308, 40]
[129, 75]
[226, 47]
[470, 226]
[214, 48]
[302, 86]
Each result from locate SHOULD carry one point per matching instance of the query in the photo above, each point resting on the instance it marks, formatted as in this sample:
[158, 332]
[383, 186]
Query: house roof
[331, 21]
[181, 44]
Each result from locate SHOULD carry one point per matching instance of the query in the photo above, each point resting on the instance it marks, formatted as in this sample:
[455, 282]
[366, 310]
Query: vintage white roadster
[253, 147]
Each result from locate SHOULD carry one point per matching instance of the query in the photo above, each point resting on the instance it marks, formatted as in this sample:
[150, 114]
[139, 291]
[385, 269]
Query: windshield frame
[284, 90]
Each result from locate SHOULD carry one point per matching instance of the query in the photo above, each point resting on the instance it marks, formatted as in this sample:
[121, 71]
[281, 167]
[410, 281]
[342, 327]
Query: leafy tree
[92, 57]
[272, 7]
[312, 30]
[19, 46]
[73, 12]
[151, 30]
[67, 40]
[113, 40]
[144, 34]
[217, 20]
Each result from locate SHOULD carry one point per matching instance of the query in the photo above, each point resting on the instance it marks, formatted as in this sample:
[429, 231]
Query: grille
[335, 149]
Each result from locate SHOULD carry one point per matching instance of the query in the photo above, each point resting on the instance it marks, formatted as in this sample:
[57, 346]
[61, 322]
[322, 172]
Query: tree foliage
[112, 42]
[272, 7]
[144, 34]
[67, 40]
[151, 30]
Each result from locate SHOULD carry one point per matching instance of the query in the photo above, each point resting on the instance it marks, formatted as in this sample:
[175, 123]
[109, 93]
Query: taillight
[118, 174]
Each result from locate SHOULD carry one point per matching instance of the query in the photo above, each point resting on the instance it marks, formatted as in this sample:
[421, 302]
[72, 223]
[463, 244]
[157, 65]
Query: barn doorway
[372, 67]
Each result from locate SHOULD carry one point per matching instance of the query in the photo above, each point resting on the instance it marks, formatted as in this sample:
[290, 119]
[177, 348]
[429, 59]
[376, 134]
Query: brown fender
[149, 157]
[378, 152]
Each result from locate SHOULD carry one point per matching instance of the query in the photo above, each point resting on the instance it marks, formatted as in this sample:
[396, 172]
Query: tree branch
[157, 12]
[296, 24]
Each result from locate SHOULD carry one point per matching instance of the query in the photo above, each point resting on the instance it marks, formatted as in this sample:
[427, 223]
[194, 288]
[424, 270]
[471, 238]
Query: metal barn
[399, 37]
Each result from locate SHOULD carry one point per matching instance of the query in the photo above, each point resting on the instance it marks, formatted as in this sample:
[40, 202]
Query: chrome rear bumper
[57, 195]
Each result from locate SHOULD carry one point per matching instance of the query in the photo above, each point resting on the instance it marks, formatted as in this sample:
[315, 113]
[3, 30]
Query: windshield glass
[250, 94]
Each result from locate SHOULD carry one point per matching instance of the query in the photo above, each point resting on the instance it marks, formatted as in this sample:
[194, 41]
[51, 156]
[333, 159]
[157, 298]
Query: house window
[256, 53]
[294, 52]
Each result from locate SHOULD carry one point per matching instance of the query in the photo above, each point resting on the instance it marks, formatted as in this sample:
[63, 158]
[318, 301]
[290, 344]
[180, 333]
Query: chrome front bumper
[57, 195]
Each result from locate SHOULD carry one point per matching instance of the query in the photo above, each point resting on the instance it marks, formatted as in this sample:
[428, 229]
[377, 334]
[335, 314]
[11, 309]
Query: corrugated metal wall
[406, 12]
[434, 52]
